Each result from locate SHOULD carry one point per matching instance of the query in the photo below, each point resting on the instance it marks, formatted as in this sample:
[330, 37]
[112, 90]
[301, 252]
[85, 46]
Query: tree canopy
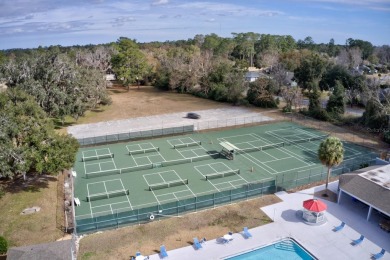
[130, 63]
[28, 140]
[60, 86]
[310, 70]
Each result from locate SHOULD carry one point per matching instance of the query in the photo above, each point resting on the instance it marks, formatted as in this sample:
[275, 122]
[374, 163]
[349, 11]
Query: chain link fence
[169, 129]
[147, 213]
[355, 135]
[124, 217]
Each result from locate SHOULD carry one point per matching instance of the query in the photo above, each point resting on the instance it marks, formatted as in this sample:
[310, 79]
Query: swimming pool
[285, 249]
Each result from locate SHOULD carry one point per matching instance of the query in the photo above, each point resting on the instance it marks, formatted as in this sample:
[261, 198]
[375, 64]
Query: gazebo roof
[314, 205]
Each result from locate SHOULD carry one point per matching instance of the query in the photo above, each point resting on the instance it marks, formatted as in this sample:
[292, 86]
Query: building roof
[60, 250]
[370, 185]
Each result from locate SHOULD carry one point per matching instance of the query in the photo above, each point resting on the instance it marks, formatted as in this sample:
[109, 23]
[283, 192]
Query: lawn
[175, 232]
[40, 227]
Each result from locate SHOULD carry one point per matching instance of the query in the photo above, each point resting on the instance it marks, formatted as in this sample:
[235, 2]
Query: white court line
[264, 151]
[85, 170]
[231, 183]
[127, 196]
[112, 212]
[244, 155]
[127, 147]
[180, 153]
[89, 202]
[161, 156]
[105, 205]
[288, 152]
[97, 163]
[178, 139]
[104, 183]
[223, 139]
[230, 169]
[278, 159]
[205, 177]
[114, 163]
[308, 133]
[303, 148]
[254, 158]
[156, 197]
[355, 152]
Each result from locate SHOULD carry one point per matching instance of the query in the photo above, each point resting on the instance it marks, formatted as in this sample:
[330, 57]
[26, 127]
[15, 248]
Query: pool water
[285, 249]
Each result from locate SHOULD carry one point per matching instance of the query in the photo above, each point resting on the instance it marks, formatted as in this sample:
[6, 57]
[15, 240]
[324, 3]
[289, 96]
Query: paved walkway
[211, 118]
[319, 240]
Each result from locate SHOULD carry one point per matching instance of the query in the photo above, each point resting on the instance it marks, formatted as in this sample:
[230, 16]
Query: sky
[33, 23]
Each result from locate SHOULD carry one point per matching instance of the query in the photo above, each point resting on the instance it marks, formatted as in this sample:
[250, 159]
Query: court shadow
[214, 154]
[290, 215]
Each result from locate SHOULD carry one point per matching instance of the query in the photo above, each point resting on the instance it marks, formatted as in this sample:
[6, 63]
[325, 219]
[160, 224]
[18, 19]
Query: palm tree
[330, 153]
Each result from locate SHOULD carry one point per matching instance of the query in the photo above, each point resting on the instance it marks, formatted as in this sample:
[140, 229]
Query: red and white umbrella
[314, 205]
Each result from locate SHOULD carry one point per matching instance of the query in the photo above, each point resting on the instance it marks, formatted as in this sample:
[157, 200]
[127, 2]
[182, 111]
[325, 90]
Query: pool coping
[270, 244]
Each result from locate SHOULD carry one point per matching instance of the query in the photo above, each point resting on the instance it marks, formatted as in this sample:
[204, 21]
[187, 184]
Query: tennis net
[187, 144]
[261, 148]
[102, 173]
[97, 157]
[107, 195]
[221, 174]
[305, 140]
[147, 150]
[168, 184]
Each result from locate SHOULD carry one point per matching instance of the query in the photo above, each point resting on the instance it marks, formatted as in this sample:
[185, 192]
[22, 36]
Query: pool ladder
[285, 245]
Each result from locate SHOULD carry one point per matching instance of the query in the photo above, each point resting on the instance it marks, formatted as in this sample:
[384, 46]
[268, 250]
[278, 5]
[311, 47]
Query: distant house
[3, 86]
[110, 77]
[252, 76]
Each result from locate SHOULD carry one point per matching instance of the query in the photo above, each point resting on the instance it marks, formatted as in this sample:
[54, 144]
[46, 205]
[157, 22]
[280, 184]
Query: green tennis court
[133, 182]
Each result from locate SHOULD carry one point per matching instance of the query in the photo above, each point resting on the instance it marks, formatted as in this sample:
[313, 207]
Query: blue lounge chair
[379, 255]
[338, 228]
[246, 233]
[357, 241]
[163, 252]
[138, 254]
[197, 245]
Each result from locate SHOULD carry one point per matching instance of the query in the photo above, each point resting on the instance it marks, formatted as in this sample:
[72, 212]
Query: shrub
[286, 109]
[2, 191]
[3, 245]
[386, 137]
[320, 114]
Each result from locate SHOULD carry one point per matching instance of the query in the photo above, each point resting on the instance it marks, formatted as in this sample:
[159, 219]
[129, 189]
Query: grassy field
[34, 228]
[175, 232]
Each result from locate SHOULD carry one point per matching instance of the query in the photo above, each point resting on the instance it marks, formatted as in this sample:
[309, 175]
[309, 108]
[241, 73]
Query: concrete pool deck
[321, 241]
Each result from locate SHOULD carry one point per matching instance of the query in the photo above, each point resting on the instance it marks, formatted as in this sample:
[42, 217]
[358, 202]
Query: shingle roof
[367, 190]
[60, 250]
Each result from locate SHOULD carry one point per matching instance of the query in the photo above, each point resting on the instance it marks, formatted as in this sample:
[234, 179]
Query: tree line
[43, 85]
[67, 81]
[213, 67]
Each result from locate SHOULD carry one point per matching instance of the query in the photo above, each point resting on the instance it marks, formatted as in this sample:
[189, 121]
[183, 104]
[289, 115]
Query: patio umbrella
[314, 205]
